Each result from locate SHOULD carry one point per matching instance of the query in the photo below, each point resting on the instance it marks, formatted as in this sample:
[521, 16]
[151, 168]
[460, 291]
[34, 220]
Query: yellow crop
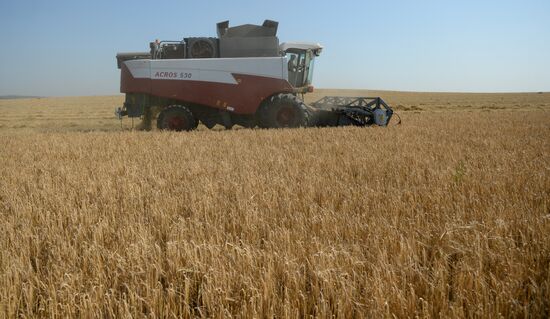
[447, 215]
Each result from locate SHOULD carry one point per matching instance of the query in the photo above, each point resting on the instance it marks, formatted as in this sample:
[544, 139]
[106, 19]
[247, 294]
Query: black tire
[283, 110]
[177, 118]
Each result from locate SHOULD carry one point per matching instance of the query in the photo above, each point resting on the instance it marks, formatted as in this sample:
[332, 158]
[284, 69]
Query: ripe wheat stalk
[447, 215]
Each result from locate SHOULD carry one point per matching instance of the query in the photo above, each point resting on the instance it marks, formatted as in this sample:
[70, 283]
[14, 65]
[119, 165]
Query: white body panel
[219, 70]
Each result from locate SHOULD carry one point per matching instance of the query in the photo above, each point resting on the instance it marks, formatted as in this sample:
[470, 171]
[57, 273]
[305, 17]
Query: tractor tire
[177, 118]
[283, 110]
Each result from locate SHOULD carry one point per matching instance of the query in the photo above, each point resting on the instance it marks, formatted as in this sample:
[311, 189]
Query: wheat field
[446, 215]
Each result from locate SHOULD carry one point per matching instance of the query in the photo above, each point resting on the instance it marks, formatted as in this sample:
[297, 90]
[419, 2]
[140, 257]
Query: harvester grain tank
[242, 77]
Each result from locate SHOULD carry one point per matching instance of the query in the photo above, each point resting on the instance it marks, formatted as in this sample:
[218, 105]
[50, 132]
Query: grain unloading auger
[242, 77]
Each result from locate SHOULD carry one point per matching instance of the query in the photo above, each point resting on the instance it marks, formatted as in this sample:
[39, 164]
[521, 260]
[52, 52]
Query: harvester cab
[301, 58]
[243, 77]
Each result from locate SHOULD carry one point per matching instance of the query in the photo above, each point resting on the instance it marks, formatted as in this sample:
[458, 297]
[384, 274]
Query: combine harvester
[242, 77]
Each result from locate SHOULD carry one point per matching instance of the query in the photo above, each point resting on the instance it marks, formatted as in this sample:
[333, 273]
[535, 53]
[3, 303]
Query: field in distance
[446, 215]
[96, 113]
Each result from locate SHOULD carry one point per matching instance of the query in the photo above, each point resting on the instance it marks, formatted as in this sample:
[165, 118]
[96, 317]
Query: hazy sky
[53, 48]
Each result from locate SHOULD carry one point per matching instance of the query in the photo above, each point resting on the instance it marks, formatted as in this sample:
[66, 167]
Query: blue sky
[56, 48]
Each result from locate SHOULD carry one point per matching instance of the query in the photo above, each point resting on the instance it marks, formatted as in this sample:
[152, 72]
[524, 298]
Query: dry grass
[447, 215]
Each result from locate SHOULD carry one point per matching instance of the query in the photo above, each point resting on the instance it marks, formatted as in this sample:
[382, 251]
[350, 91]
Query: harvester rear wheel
[283, 110]
[177, 118]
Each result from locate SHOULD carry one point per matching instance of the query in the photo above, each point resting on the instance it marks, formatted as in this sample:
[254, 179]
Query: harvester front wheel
[283, 110]
[177, 118]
